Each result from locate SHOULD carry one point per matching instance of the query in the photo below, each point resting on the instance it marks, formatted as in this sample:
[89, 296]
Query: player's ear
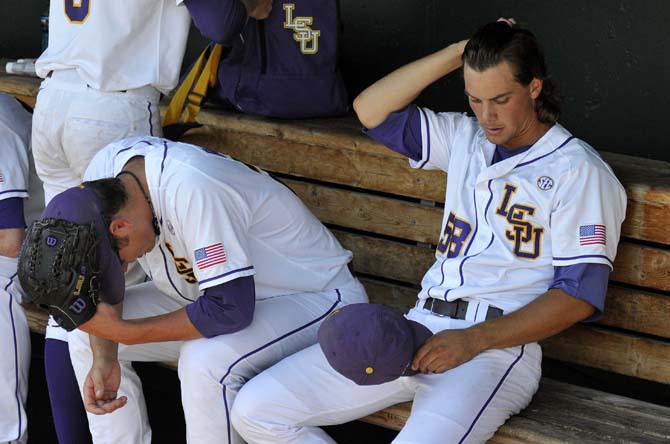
[120, 227]
[535, 88]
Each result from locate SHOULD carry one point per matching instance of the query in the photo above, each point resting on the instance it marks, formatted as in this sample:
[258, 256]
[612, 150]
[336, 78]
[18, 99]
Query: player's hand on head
[510, 21]
[460, 46]
[101, 387]
[445, 350]
[261, 10]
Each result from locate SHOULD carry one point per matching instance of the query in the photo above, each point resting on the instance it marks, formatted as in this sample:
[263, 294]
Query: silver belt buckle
[432, 302]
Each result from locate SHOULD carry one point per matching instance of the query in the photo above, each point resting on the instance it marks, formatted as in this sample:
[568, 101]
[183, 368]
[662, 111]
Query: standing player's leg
[14, 365]
[212, 371]
[71, 123]
[67, 408]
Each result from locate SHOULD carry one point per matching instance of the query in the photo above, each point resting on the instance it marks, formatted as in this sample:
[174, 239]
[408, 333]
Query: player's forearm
[546, 316]
[175, 326]
[103, 348]
[10, 241]
[402, 86]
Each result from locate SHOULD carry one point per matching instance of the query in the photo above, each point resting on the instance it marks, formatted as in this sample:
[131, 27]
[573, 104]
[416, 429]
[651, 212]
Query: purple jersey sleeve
[11, 213]
[225, 308]
[401, 131]
[587, 282]
[218, 20]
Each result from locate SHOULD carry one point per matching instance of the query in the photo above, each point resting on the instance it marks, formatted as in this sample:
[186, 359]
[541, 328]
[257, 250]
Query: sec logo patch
[545, 183]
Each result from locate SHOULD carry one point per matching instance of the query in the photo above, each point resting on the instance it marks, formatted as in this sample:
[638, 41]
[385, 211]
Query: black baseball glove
[58, 270]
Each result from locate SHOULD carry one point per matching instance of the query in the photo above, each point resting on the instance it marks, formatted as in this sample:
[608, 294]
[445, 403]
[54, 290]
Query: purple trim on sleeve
[587, 282]
[225, 274]
[584, 256]
[225, 308]
[218, 20]
[13, 191]
[401, 131]
[425, 119]
[11, 213]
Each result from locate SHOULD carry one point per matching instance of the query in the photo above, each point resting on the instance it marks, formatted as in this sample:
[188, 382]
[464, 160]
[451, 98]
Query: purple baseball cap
[371, 343]
[80, 205]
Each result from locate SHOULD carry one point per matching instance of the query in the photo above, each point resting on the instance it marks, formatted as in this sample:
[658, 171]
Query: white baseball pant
[15, 362]
[467, 404]
[211, 371]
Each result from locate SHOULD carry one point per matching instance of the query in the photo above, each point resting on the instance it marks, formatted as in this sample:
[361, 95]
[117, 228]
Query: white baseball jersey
[117, 45]
[17, 179]
[507, 225]
[221, 219]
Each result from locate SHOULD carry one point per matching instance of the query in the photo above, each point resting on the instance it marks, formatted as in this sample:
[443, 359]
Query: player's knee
[246, 414]
[202, 358]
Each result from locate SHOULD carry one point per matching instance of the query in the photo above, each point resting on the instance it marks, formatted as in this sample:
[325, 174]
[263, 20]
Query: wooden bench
[390, 216]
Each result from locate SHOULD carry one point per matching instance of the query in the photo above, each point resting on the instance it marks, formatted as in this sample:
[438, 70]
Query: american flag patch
[592, 235]
[209, 256]
[2, 178]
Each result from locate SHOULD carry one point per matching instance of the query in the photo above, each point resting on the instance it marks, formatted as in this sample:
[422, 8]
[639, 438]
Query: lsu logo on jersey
[526, 237]
[183, 266]
[302, 31]
[455, 235]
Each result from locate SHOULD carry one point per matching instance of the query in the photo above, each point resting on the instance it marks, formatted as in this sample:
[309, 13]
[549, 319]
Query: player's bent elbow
[222, 36]
[364, 116]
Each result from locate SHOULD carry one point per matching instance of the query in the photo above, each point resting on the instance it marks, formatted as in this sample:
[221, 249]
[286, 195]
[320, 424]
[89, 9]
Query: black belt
[456, 309]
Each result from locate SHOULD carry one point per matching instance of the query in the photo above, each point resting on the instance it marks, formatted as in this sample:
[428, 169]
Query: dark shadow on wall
[609, 58]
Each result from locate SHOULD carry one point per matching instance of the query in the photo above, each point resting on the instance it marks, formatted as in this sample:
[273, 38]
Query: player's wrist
[481, 337]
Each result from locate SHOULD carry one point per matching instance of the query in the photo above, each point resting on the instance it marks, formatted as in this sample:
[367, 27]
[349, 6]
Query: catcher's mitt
[58, 270]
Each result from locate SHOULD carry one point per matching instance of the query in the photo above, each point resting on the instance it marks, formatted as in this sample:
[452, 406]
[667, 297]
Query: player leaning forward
[242, 275]
[529, 233]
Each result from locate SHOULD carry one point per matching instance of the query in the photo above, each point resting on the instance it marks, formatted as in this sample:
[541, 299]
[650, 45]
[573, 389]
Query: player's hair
[496, 42]
[112, 196]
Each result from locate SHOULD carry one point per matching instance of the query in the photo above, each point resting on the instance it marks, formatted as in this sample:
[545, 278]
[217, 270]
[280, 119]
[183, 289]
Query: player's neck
[527, 137]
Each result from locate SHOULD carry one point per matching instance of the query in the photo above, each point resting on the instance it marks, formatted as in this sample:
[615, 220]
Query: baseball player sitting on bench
[530, 230]
[21, 199]
[242, 275]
